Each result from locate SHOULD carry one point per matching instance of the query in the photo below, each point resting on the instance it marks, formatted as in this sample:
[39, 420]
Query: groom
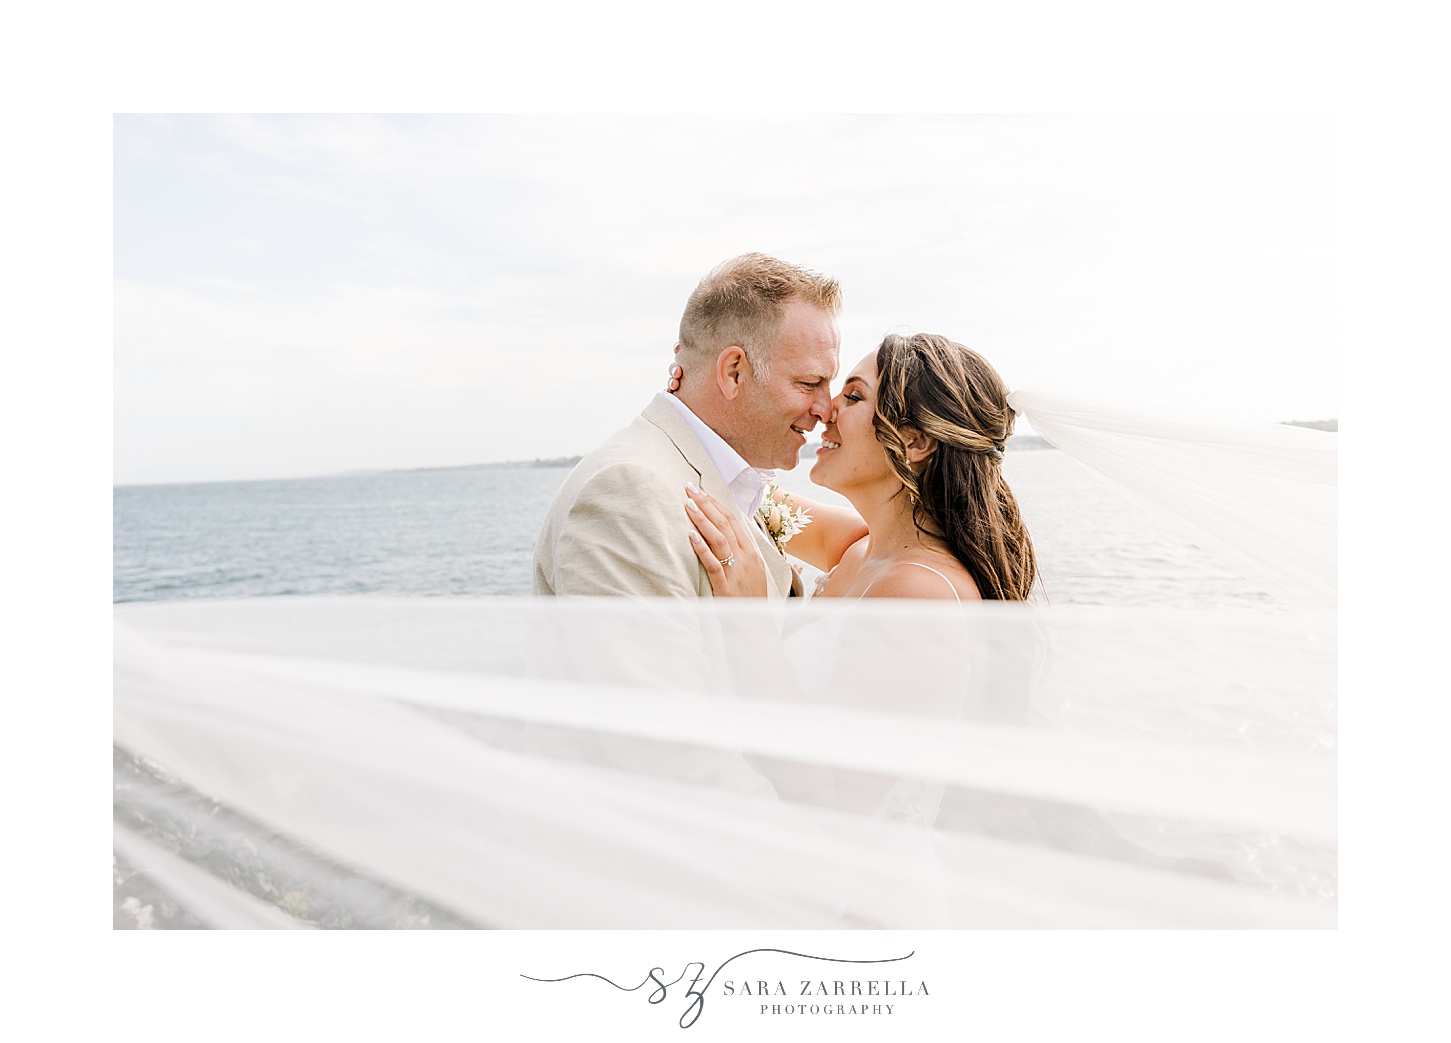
[759, 346]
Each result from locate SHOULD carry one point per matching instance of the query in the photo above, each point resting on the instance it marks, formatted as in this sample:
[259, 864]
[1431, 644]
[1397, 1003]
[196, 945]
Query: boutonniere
[780, 519]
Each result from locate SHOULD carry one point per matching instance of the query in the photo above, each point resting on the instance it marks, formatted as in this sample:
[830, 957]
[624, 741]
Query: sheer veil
[1260, 497]
[641, 763]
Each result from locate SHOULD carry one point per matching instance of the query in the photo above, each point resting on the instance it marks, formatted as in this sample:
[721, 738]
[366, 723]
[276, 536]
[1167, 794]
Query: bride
[915, 443]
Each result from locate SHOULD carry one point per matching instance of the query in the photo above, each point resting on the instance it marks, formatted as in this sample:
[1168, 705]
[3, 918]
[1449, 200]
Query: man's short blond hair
[743, 301]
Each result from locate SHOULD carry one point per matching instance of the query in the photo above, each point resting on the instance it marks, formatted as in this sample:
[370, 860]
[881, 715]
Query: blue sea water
[446, 532]
[469, 531]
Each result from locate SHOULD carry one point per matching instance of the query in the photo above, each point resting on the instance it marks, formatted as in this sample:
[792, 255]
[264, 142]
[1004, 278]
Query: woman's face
[850, 456]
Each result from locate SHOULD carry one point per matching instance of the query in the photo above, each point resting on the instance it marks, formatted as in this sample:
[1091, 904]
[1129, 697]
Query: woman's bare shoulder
[929, 581]
[853, 556]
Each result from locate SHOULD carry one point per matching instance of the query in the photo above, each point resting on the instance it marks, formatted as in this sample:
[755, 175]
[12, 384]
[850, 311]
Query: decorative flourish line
[649, 977]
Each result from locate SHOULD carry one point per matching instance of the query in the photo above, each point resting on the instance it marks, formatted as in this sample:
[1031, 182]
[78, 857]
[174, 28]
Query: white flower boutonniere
[782, 521]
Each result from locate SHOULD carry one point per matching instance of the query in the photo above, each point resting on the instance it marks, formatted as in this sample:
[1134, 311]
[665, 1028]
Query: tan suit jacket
[618, 524]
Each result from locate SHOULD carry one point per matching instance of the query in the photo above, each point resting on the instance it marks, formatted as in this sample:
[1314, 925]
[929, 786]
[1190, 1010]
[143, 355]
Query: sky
[301, 295]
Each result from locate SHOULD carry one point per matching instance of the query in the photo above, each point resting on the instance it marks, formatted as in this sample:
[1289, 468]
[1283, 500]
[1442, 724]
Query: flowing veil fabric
[641, 763]
[1261, 497]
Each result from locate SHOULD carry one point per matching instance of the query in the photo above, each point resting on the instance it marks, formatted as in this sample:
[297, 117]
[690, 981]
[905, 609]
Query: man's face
[773, 415]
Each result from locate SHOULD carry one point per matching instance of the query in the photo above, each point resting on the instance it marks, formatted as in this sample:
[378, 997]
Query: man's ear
[920, 445]
[730, 370]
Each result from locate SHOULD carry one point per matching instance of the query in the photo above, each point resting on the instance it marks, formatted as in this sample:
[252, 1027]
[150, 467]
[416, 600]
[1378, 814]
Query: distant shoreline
[503, 465]
[1015, 443]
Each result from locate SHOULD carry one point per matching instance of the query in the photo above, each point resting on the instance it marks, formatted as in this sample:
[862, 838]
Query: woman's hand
[732, 563]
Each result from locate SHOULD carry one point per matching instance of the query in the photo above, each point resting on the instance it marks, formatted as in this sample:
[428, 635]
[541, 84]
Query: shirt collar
[747, 484]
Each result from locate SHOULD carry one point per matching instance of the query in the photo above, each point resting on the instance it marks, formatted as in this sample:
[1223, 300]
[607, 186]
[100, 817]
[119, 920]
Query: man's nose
[823, 407]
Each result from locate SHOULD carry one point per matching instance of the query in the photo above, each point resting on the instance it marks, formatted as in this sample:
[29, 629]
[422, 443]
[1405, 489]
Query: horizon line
[551, 462]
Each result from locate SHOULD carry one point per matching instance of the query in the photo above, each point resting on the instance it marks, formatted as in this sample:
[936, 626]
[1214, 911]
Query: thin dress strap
[930, 569]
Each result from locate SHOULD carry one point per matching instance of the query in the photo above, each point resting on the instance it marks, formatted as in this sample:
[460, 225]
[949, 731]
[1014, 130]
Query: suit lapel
[668, 419]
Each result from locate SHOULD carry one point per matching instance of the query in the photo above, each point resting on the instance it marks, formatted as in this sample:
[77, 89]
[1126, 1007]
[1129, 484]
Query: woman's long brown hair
[958, 493]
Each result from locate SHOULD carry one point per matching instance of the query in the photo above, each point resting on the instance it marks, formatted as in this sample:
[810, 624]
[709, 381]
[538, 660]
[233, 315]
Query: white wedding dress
[536, 763]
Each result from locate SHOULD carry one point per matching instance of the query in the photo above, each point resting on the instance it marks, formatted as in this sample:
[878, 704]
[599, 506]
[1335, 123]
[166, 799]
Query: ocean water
[447, 532]
[471, 532]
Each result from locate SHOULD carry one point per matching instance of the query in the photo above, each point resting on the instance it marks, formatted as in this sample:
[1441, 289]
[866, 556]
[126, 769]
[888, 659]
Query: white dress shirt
[747, 484]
